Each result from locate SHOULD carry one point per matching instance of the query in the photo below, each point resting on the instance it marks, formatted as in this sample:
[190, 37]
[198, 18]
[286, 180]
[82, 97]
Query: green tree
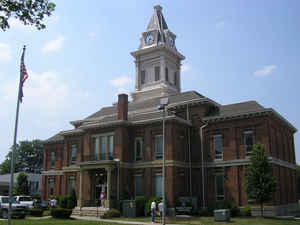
[21, 187]
[29, 12]
[260, 182]
[28, 157]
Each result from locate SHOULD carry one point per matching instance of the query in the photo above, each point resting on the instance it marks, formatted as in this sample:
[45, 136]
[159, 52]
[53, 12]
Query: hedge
[61, 213]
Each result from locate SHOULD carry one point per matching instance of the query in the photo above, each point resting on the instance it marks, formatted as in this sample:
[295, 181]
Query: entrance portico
[100, 175]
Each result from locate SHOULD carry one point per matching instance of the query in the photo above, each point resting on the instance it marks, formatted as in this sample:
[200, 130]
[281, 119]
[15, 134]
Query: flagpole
[12, 166]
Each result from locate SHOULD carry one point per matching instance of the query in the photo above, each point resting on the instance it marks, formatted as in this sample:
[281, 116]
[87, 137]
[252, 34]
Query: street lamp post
[163, 103]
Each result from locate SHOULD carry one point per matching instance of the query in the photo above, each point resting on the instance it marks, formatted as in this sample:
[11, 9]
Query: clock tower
[157, 61]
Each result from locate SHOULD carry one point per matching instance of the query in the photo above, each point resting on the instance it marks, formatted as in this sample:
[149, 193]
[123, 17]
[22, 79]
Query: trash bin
[129, 208]
[222, 215]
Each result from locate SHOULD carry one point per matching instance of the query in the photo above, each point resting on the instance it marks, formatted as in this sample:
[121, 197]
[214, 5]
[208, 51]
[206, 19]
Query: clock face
[171, 41]
[149, 39]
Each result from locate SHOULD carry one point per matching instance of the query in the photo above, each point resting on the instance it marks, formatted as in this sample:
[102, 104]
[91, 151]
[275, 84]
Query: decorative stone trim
[52, 173]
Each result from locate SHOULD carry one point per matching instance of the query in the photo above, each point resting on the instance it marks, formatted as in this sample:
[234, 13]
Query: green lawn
[210, 220]
[53, 222]
[194, 220]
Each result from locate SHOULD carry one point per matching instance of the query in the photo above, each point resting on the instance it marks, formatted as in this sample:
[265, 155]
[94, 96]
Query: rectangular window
[158, 147]
[158, 186]
[218, 147]
[73, 153]
[248, 141]
[138, 149]
[96, 147]
[157, 73]
[103, 149]
[52, 160]
[143, 76]
[51, 187]
[110, 147]
[219, 187]
[175, 78]
[71, 184]
[139, 186]
[167, 73]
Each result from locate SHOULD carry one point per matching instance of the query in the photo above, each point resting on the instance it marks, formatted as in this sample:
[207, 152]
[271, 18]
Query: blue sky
[235, 51]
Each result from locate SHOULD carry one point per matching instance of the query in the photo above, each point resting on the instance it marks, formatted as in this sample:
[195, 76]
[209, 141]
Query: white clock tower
[157, 61]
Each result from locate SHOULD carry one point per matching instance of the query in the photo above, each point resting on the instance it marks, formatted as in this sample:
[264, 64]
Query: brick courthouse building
[118, 149]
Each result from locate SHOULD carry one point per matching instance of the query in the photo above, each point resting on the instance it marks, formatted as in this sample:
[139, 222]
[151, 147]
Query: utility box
[222, 215]
[129, 208]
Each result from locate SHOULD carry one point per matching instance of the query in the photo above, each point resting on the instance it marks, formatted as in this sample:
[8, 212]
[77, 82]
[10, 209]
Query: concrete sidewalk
[90, 218]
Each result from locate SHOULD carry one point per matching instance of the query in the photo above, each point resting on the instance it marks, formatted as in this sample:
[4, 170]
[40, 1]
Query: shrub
[140, 203]
[61, 213]
[36, 212]
[231, 205]
[72, 201]
[148, 204]
[246, 211]
[63, 201]
[111, 213]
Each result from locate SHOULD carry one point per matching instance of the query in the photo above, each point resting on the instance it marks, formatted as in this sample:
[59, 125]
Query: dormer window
[157, 73]
[143, 76]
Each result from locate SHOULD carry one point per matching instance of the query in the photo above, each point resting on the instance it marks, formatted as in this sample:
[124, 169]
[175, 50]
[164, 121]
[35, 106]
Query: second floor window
[158, 147]
[218, 147]
[248, 142]
[52, 159]
[157, 73]
[73, 153]
[138, 149]
[103, 147]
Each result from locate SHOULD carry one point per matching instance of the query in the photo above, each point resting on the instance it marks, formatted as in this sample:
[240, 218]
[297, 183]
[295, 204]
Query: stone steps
[89, 211]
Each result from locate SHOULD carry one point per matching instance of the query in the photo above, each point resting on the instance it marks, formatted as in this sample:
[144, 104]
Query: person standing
[153, 207]
[161, 209]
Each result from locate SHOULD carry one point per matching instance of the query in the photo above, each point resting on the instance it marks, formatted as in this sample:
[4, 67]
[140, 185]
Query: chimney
[122, 107]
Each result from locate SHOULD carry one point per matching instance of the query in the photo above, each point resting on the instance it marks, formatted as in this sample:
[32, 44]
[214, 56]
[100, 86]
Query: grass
[173, 220]
[210, 220]
[54, 222]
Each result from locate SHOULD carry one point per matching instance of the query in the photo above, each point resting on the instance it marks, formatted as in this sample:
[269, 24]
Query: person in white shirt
[161, 209]
[153, 207]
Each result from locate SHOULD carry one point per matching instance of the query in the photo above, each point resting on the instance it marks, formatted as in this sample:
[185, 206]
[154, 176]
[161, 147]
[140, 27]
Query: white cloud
[43, 91]
[185, 68]
[121, 81]
[265, 71]
[5, 52]
[54, 45]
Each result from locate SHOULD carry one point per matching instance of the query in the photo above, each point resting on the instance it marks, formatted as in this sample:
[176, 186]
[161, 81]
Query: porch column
[80, 201]
[108, 170]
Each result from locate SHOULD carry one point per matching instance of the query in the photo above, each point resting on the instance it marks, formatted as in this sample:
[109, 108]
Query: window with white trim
[248, 142]
[218, 147]
[143, 76]
[219, 187]
[139, 185]
[158, 147]
[139, 149]
[103, 146]
[73, 153]
[157, 73]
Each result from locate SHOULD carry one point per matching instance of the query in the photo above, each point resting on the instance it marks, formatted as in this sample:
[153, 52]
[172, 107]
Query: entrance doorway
[100, 187]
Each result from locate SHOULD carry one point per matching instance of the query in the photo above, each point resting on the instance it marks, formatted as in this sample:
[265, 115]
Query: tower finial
[158, 8]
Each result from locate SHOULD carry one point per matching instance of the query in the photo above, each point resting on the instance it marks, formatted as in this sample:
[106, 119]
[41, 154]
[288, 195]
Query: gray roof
[31, 176]
[56, 138]
[157, 21]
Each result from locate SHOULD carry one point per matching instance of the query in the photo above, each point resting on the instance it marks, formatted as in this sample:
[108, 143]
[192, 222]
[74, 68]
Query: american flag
[23, 74]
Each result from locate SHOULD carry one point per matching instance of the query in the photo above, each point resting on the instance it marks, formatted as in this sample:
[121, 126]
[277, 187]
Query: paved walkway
[91, 218]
